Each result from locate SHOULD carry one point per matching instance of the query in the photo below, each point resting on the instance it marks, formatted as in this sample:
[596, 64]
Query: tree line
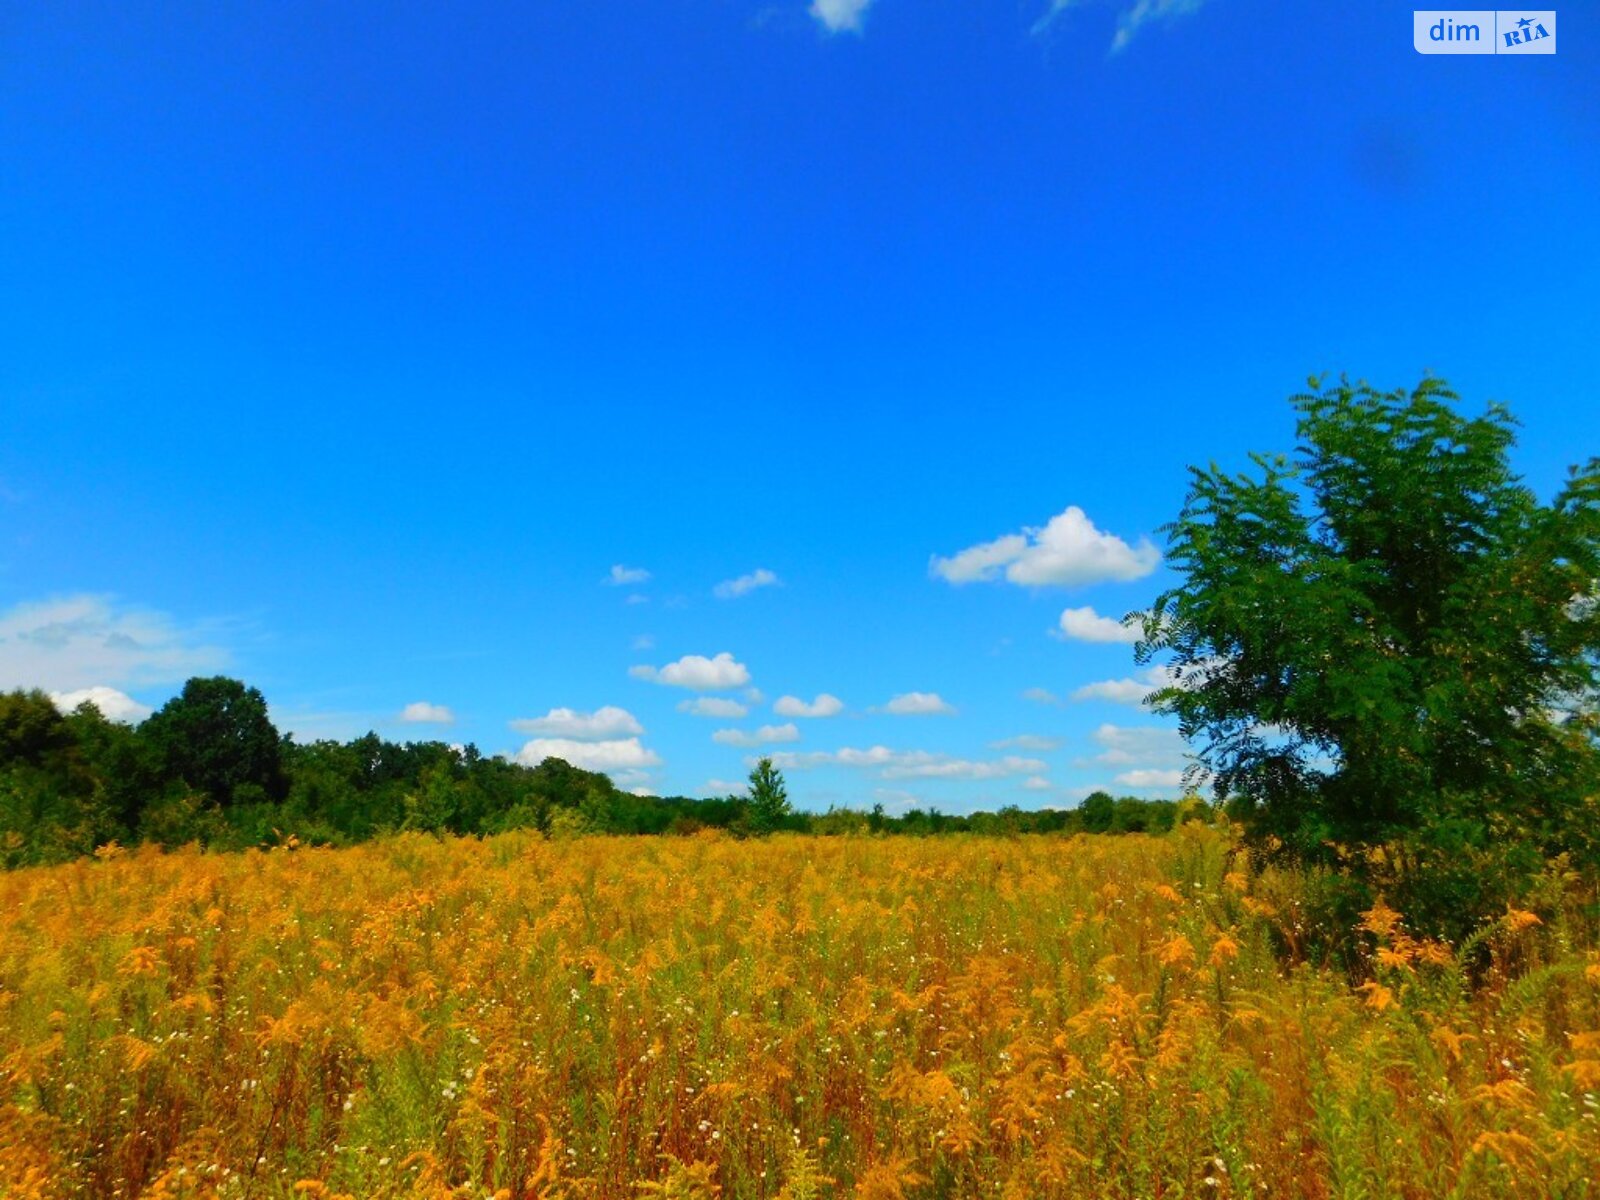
[210, 767]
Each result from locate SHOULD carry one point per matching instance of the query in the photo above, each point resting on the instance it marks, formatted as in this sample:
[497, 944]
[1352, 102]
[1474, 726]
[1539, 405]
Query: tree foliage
[1388, 639]
[769, 798]
[216, 736]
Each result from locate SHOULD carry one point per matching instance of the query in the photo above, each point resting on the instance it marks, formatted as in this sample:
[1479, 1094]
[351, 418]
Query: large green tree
[769, 798]
[216, 736]
[1388, 638]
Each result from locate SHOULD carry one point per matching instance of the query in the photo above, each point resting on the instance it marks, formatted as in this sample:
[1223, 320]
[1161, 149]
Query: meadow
[1041, 1016]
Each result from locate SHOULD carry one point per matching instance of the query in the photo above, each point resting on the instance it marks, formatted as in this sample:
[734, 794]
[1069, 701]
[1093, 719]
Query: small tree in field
[1390, 641]
[769, 799]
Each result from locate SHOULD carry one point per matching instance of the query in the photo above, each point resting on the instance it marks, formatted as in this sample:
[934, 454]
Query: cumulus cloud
[724, 787]
[919, 704]
[1117, 691]
[767, 734]
[89, 641]
[714, 706]
[823, 706]
[1146, 777]
[840, 16]
[113, 705]
[1069, 551]
[1129, 691]
[422, 713]
[698, 673]
[910, 764]
[622, 576]
[730, 589]
[618, 754]
[1138, 746]
[1037, 783]
[1086, 625]
[603, 723]
[1028, 741]
[1131, 19]
[1039, 695]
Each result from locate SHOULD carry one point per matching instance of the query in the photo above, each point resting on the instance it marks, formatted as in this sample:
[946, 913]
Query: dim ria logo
[1487, 31]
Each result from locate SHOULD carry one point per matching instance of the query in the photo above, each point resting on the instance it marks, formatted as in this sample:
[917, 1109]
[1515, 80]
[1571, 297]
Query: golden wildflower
[1380, 919]
[1176, 951]
[1378, 997]
[1224, 949]
[1518, 919]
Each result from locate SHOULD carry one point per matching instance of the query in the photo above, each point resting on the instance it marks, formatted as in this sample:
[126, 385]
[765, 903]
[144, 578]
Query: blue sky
[351, 349]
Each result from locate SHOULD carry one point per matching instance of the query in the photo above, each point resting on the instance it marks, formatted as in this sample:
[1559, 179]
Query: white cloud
[1086, 625]
[919, 704]
[698, 673]
[724, 787]
[1128, 691]
[619, 754]
[88, 641]
[823, 706]
[1069, 551]
[714, 706]
[1148, 778]
[622, 576]
[730, 589]
[113, 705]
[1130, 20]
[1039, 695]
[840, 16]
[606, 722]
[938, 766]
[760, 737]
[1145, 11]
[423, 713]
[1028, 741]
[1117, 691]
[631, 778]
[1139, 746]
[1037, 783]
[910, 764]
[644, 642]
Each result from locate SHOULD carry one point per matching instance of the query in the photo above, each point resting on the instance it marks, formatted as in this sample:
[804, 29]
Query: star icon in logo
[1525, 22]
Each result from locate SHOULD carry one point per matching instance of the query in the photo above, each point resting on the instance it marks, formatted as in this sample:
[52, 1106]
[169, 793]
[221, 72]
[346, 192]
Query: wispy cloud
[1068, 552]
[623, 576]
[91, 641]
[731, 589]
[714, 706]
[911, 764]
[1131, 18]
[840, 16]
[1028, 741]
[766, 735]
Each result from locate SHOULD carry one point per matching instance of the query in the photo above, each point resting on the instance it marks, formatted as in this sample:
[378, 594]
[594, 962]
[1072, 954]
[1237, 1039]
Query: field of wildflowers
[799, 1017]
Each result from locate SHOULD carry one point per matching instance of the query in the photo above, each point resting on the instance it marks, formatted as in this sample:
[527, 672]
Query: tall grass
[794, 1018]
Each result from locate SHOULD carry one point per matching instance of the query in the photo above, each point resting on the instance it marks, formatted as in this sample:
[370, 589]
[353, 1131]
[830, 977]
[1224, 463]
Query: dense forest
[210, 767]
